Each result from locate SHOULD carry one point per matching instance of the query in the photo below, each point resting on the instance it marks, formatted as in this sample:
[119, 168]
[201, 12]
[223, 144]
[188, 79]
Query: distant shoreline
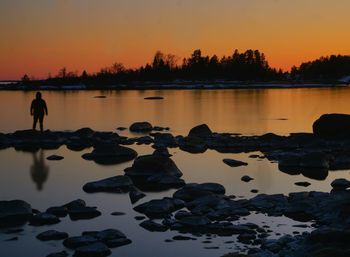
[181, 85]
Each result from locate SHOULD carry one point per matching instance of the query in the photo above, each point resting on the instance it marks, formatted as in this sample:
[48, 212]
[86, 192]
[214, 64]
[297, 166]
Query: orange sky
[40, 36]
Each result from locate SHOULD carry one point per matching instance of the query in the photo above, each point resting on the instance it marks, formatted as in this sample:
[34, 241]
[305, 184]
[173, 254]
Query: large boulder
[14, 211]
[154, 173]
[201, 131]
[141, 127]
[332, 126]
[160, 208]
[108, 154]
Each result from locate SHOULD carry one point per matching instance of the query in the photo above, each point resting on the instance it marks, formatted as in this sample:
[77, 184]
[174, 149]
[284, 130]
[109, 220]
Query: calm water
[29, 176]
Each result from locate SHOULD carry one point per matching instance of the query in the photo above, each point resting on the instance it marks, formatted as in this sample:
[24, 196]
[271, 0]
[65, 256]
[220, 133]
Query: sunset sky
[41, 36]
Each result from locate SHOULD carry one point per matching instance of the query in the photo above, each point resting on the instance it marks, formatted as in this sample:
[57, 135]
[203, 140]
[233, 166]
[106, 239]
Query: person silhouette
[38, 109]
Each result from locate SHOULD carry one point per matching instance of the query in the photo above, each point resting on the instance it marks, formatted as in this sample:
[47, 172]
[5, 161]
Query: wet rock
[183, 238]
[78, 241]
[52, 235]
[121, 128]
[332, 126]
[141, 127]
[201, 131]
[302, 184]
[136, 195]
[11, 239]
[93, 250]
[117, 184]
[117, 213]
[44, 219]
[194, 221]
[234, 163]
[153, 226]
[193, 191]
[58, 254]
[83, 212]
[246, 178]
[153, 172]
[192, 144]
[58, 211]
[340, 184]
[162, 152]
[110, 237]
[55, 158]
[159, 208]
[108, 154]
[13, 212]
[154, 98]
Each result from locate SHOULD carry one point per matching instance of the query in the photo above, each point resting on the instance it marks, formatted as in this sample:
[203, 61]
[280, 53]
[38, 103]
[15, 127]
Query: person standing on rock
[38, 109]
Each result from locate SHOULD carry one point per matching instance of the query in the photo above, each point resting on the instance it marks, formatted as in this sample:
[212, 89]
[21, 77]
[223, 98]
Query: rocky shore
[200, 208]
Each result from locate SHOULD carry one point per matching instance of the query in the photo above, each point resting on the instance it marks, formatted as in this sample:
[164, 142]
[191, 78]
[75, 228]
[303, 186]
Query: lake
[43, 183]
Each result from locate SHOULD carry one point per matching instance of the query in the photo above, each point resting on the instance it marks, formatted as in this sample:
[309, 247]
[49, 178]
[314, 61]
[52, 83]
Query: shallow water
[43, 183]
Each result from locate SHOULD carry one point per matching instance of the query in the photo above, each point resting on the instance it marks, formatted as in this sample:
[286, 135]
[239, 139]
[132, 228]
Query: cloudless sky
[41, 36]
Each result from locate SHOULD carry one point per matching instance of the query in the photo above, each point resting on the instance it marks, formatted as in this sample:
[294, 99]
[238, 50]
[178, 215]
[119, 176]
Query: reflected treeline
[39, 171]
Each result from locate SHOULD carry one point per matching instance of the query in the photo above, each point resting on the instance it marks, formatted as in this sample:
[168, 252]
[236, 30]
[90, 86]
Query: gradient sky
[40, 36]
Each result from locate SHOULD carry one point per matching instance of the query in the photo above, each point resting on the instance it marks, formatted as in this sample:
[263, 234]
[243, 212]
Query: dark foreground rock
[234, 163]
[55, 158]
[116, 184]
[52, 235]
[96, 243]
[141, 127]
[58, 254]
[155, 172]
[332, 126]
[108, 154]
[14, 212]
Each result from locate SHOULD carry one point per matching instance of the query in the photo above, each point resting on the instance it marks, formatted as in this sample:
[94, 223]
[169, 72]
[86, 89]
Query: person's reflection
[39, 171]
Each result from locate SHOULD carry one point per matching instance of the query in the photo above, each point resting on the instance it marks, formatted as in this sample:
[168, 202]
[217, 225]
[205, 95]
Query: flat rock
[303, 184]
[52, 235]
[340, 184]
[154, 98]
[55, 158]
[44, 219]
[201, 131]
[234, 163]
[117, 184]
[159, 208]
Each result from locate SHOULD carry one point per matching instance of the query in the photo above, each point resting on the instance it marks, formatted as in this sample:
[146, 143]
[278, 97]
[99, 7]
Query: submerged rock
[141, 127]
[93, 250]
[246, 178]
[58, 254]
[117, 184]
[153, 226]
[55, 158]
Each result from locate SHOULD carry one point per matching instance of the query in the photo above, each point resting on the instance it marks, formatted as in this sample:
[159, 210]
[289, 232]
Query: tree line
[250, 65]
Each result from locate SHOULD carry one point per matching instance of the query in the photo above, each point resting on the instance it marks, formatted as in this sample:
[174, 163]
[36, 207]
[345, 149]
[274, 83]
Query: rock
[136, 195]
[100, 96]
[159, 208]
[117, 213]
[94, 250]
[194, 221]
[117, 184]
[108, 154]
[141, 127]
[211, 187]
[201, 131]
[234, 163]
[302, 184]
[13, 212]
[154, 173]
[79, 241]
[52, 235]
[183, 238]
[148, 165]
[83, 212]
[44, 219]
[340, 184]
[191, 192]
[332, 126]
[121, 128]
[59, 211]
[162, 152]
[192, 144]
[153, 226]
[58, 254]
[246, 178]
[154, 98]
[55, 158]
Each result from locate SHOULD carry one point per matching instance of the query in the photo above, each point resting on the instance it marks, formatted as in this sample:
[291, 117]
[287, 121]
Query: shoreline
[205, 85]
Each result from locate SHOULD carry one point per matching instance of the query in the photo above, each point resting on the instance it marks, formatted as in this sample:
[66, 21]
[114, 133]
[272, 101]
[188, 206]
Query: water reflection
[39, 171]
